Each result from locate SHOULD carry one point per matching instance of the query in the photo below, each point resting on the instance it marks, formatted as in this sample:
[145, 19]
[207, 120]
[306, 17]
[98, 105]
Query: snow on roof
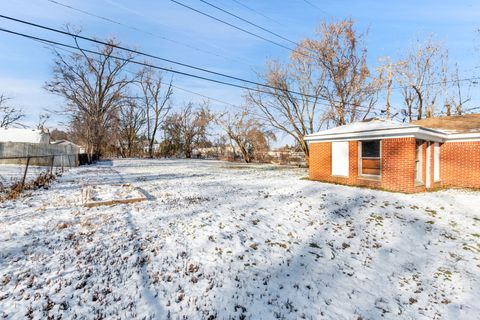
[376, 129]
[24, 135]
[64, 142]
[362, 126]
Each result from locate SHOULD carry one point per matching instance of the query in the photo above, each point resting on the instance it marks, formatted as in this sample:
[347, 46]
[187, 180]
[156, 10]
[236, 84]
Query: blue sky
[392, 27]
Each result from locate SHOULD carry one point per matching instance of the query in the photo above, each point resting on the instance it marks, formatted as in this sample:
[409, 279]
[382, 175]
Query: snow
[220, 240]
[362, 126]
[23, 135]
[13, 173]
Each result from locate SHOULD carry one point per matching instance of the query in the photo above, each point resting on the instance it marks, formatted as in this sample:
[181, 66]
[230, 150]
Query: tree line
[114, 108]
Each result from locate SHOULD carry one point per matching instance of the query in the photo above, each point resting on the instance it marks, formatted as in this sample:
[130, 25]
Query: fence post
[25, 174]
[51, 164]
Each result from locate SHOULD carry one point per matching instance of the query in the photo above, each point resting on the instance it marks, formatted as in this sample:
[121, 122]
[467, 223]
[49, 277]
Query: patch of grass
[431, 212]
[375, 218]
[444, 273]
[41, 181]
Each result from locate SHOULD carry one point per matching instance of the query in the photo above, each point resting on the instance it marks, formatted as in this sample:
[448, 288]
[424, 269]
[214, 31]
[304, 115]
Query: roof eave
[412, 131]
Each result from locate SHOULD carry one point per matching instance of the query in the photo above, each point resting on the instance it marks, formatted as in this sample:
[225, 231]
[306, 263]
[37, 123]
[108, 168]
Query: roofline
[463, 137]
[410, 131]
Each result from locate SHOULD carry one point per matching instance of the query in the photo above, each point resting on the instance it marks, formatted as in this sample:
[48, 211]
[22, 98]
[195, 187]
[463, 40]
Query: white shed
[24, 135]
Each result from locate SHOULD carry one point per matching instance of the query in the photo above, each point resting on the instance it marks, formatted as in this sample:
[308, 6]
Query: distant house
[24, 135]
[415, 157]
[69, 144]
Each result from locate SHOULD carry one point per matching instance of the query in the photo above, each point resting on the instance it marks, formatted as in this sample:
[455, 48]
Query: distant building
[24, 135]
[68, 143]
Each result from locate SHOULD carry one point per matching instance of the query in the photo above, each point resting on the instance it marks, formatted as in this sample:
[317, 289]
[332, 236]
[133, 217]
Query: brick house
[414, 157]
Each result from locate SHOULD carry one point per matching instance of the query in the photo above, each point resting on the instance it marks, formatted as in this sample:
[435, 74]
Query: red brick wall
[320, 161]
[398, 159]
[398, 164]
[460, 164]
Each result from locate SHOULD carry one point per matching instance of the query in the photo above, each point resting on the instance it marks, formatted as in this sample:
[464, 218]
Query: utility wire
[249, 22]
[164, 83]
[193, 67]
[315, 6]
[471, 79]
[256, 11]
[76, 36]
[326, 102]
[232, 25]
[145, 64]
[142, 30]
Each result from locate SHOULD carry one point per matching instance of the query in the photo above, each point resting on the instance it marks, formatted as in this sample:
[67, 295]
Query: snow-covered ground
[219, 240]
[12, 173]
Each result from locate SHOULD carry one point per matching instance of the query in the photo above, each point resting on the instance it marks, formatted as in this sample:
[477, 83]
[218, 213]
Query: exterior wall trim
[417, 132]
[408, 132]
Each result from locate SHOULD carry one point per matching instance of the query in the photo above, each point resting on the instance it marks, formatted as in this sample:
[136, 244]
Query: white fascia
[463, 137]
[409, 132]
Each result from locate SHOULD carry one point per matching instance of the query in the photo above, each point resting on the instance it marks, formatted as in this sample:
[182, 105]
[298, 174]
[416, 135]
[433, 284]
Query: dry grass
[464, 123]
[43, 180]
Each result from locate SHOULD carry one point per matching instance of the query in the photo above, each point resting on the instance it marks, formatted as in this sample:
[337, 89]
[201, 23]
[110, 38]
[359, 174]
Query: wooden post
[51, 164]
[25, 174]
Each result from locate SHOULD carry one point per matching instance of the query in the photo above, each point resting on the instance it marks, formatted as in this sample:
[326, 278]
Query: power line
[141, 30]
[189, 66]
[78, 48]
[316, 102]
[249, 22]
[315, 6]
[256, 11]
[148, 55]
[232, 25]
[154, 56]
[164, 83]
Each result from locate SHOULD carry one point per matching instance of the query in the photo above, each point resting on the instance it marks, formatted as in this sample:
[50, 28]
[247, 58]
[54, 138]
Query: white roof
[23, 135]
[362, 126]
[376, 129]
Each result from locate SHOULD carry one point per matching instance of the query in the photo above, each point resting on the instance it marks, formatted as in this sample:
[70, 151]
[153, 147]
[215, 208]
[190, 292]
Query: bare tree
[187, 129]
[331, 76]
[42, 119]
[251, 137]
[385, 79]
[132, 120]
[458, 98]
[342, 55]
[295, 115]
[419, 76]
[9, 115]
[94, 88]
[155, 103]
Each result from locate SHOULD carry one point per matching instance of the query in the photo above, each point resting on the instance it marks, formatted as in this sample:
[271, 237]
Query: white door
[429, 164]
[340, 159]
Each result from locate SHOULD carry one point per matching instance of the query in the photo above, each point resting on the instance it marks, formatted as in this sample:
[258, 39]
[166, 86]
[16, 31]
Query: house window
[370, 158]
[418, 162]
